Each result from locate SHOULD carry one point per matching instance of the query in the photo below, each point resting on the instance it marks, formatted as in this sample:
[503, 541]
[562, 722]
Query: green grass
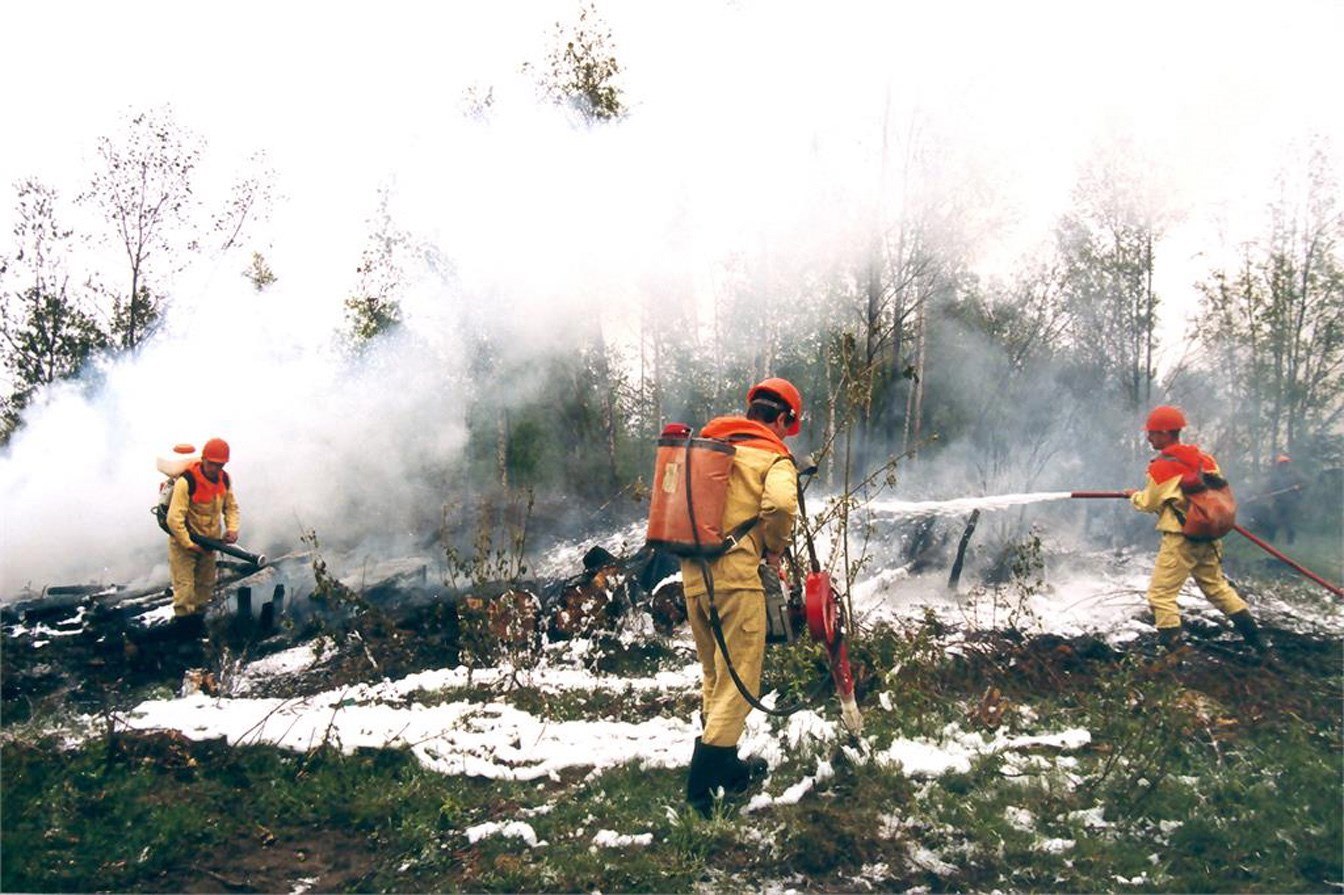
[1193, 793]
[1320, 551]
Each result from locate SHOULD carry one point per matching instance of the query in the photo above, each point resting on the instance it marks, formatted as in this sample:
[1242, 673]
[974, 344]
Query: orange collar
[740, 430]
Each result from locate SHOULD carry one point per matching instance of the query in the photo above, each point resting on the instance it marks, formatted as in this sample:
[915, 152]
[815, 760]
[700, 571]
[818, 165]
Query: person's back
[728, 607]
[762, 485]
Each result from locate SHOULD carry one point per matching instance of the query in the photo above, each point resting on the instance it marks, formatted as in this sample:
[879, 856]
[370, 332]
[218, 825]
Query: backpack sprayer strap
[702, 557]
[716, 627]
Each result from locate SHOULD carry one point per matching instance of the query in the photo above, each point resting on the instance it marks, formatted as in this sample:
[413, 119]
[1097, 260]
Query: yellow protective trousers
[193, 575]
[1180, 558]
[742, 617]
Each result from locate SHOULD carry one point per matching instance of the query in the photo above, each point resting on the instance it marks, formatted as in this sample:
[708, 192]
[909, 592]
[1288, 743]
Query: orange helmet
[216, 450]
[785, 391]
[1283, 458]
[1165, 419]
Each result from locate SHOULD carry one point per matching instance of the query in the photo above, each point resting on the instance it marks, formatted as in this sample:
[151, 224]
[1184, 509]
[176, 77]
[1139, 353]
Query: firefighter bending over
[762, 484]
[201, 495]
[1180, 557]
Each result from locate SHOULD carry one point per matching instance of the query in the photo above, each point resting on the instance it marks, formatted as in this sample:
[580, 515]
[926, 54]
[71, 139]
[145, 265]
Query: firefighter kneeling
[761, 503]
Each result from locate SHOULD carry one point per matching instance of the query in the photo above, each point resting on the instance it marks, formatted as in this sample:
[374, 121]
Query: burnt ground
[89, 653]
[103, 659]
[93, 650]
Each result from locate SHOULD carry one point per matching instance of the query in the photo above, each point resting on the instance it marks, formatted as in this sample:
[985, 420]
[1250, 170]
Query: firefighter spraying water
[1195, 510]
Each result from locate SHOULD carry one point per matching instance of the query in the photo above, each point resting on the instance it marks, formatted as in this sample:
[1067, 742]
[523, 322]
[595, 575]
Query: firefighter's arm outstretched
[1153, 496]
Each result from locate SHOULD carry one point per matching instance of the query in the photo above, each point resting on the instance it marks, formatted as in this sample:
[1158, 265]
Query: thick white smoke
[756, 131]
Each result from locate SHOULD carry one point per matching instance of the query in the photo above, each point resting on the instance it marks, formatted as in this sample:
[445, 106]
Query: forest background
[1031, 372]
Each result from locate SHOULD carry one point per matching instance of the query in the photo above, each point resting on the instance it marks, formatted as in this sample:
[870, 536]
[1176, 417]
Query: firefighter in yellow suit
[1179, 557]
[202, 495]
[762, 484]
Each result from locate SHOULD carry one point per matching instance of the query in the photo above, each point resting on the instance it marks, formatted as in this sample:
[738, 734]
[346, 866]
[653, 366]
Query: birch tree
[49, 330]
[1273, 328]
[144, 190]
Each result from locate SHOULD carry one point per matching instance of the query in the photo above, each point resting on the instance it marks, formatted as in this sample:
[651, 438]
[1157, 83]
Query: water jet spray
[1298, 567]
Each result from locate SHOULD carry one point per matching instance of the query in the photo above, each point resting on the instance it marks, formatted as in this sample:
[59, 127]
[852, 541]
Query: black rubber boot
[1170, 639]
[712, 768]
[1172, 650]
[1248, 630]
[699, 779]
[744, 773]
[187, 637]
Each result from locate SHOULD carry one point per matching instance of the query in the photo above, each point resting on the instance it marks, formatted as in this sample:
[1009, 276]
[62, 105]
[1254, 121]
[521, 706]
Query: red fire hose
[1333, 588]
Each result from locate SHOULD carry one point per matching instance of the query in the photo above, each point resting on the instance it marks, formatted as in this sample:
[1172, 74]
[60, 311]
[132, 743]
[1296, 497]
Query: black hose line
[716, 626]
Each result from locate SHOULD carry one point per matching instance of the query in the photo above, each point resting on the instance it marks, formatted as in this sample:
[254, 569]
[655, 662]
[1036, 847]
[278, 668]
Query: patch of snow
[612, 839]
[1140, 880]
[538, 810]
[927, 859]
[514, 829]
[291, 661]
[491, 740]
[1020, 818]
[159, 615]
[1054, 846]
[794, 793]
[957, 748]
[1091, 818]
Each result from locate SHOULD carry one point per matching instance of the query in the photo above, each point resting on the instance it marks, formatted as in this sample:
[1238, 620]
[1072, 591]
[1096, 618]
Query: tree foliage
[374, 306]
[49, 332]
[1105, 250]
[143, 188]
[1274, 326]
[580, 69]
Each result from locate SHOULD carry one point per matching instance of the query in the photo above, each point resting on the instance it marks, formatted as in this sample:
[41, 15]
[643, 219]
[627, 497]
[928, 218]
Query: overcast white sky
[754, 127]
[728, 98]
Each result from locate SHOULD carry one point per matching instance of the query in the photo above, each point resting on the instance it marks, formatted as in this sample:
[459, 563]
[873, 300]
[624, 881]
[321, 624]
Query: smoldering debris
[88, 644]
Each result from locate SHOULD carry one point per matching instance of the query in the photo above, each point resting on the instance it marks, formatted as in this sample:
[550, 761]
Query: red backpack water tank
[689, 493]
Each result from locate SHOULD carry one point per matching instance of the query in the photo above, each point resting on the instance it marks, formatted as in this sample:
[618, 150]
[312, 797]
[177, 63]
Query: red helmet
[1165, 419]
[785, 391]
[216, 450]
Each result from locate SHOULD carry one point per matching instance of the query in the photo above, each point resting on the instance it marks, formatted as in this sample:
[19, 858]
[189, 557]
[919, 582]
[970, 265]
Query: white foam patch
[513, 829]
[612, 839]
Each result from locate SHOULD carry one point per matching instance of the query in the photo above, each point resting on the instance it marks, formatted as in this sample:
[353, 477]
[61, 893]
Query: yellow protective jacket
[1162, 493]
[199, 508]
[763, 482]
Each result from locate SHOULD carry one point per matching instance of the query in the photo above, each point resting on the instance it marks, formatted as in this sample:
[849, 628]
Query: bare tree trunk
[502, 447]
[1148, 325]
[914, 405]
